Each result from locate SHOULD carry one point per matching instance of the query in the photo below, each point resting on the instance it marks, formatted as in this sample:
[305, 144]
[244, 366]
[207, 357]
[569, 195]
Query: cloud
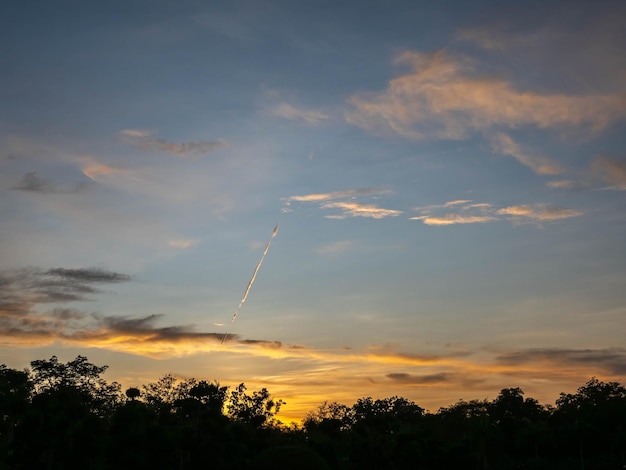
[182, 243]
[467, 212]
[25, 289]
[419, 379]
[143, 140]
[136, 133]
[504, 144]
[88, 275]
[600, 172]
[335, 247]
[456, 203]
[94, 170]
[22, 323]
[453, 219]
[442, 97]
[610, 171]
[347, 208]
[318, 197]
[612, 360]
[263, 343]
[572, 185]
[22, 289]
[585, 41]
[354, 209]
[539, 212]
[31, 182]
[286, 111]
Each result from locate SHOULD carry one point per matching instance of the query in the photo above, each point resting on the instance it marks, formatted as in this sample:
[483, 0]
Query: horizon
[446, 184]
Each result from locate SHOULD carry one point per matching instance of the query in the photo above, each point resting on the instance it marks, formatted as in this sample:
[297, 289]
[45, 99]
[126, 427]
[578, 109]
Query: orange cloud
[443, 97]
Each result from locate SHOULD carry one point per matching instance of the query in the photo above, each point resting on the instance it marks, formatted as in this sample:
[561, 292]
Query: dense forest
[58, 415]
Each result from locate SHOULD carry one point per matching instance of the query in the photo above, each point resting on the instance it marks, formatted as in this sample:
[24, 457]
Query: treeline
[59, 415]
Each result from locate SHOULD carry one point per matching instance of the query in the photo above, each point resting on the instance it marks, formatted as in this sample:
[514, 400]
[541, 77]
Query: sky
[448, 180]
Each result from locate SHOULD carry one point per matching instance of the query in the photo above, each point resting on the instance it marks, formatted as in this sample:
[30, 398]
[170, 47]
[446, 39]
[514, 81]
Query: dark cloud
[89, 275]
[23, 288]
[612, 360]
[31, 182]
[263, 343]
[142, 329]
[22, 291]
[67, 314]
[419, 379]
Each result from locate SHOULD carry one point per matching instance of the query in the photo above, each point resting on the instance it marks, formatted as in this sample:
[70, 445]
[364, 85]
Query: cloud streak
[286, 111]
[143, 140]
[350, 193]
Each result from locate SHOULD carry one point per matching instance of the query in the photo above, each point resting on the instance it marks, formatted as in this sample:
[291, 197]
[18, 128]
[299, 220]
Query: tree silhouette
[593, 422]
[65, 415]
[133, 393]
[15, 390]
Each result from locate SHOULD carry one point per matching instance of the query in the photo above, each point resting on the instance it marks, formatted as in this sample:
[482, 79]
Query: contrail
[249, 286]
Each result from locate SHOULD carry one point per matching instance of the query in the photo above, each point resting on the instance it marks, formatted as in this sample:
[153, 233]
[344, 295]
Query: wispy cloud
[144, 140]
[318, 197]
[32, 182]
[23, 290]
[287, 111]
[182, 243]
[612, 360]
[573, 185]
[354, 209]
[611, 171]
[453, 219]
[538, 212]
[443, 97]
[94, 170]
[412, 379]
[504, 144]
[335, 247]
[350, 208]
[603, 173]
[31, 286]
[467, 212]
[456, 203]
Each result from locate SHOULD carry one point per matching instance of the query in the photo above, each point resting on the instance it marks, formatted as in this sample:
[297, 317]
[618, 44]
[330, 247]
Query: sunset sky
[449, 180]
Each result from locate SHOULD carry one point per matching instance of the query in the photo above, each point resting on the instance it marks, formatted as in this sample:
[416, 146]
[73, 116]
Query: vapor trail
[249, 286]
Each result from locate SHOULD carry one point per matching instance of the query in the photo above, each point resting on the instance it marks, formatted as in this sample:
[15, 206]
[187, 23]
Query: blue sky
[448, 182]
